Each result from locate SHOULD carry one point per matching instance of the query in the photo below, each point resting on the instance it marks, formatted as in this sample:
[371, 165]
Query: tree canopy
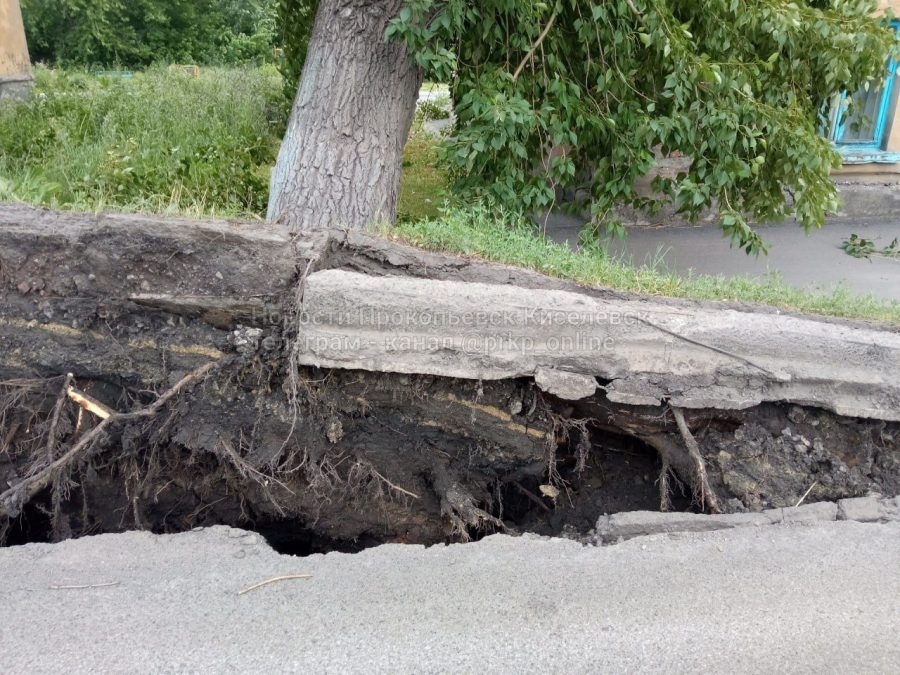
[740, 87]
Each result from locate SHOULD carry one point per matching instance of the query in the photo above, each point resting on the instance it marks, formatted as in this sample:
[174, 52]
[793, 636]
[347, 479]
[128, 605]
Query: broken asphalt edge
[619, 527]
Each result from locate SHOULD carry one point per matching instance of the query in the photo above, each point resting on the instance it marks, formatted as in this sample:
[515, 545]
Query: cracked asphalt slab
[787, 598]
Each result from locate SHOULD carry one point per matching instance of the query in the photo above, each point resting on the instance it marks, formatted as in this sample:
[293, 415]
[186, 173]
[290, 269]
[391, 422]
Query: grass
[436, 87]
[423, 185]
[498, 238]
[160, 141]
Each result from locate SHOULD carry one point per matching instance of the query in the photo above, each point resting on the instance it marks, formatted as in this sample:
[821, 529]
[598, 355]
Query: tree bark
[340, 162]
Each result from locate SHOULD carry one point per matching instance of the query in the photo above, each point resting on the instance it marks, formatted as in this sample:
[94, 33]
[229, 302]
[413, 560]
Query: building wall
[14, 61]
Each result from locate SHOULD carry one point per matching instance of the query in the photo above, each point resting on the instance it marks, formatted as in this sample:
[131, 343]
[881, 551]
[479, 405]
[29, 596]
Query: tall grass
[158, 141]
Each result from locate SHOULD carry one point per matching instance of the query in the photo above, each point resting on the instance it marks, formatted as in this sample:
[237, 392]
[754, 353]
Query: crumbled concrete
[821, 598]
[632, 524]
[570, 386]
[860, 509]
[642, 523]
[869, 509]
[808, 513]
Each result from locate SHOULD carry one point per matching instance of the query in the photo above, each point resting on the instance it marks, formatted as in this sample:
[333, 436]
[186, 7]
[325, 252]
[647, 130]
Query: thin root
[665, 501]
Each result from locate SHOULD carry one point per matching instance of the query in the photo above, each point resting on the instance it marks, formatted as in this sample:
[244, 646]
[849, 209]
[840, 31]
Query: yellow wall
[14, 59]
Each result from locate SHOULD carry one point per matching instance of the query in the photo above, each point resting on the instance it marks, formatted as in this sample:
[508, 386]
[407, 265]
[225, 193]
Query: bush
[155, 141]
[429, 111]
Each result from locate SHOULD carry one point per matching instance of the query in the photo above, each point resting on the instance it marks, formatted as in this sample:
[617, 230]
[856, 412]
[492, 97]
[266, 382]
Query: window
[860, 131]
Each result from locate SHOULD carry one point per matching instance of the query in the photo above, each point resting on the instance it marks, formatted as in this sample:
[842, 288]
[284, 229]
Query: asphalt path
[815, 598]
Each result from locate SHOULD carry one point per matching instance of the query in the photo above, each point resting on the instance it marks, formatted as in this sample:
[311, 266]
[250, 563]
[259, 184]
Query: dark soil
[377, 458]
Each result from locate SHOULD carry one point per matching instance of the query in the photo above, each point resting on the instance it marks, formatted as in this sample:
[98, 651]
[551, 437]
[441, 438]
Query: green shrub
[156, 141]
[433, 110]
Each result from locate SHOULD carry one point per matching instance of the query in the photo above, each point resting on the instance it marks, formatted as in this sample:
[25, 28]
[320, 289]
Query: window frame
[858, 152]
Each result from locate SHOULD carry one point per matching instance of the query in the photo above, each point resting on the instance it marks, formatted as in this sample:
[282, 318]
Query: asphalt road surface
[813, 261]
[817, 598]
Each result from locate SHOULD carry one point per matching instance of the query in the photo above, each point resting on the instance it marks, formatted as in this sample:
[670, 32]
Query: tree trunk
[15, 66]
[340, 162]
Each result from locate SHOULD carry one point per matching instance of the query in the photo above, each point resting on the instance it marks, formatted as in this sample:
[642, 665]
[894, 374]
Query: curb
[623, 526]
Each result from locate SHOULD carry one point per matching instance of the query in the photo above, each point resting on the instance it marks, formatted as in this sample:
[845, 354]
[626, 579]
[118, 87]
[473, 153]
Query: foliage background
[295, 24]
[134, 33]
[585, 97]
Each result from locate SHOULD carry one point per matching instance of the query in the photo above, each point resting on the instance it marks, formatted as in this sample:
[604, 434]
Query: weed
[860, 247]
[423, 184]
[433, 110]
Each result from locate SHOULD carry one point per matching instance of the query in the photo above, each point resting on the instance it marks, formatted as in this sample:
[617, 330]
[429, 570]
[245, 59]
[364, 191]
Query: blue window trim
[864, 152]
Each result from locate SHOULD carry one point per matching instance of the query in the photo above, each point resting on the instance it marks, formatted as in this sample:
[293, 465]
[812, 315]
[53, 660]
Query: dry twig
[274, 580]
[806, 494]
[92, 405]
[392, 486]
[79, 587]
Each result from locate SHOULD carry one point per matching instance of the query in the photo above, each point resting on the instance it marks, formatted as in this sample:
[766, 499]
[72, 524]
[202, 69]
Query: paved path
[822, 598]
[815, 260]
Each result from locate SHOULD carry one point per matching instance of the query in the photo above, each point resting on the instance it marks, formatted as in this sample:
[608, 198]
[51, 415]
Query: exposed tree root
[685, 463]
[248, 472]
[379, 458]
[537, 501]
[12, 500]
[54, 419]
[665, 494]
[13, 397]
[459, 507]
[703, 493]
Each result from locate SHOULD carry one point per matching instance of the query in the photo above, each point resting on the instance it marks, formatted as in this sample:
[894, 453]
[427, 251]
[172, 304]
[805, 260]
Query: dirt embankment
[342, 390]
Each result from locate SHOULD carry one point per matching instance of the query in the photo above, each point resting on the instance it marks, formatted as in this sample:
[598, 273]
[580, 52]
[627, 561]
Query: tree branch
[535, 46]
